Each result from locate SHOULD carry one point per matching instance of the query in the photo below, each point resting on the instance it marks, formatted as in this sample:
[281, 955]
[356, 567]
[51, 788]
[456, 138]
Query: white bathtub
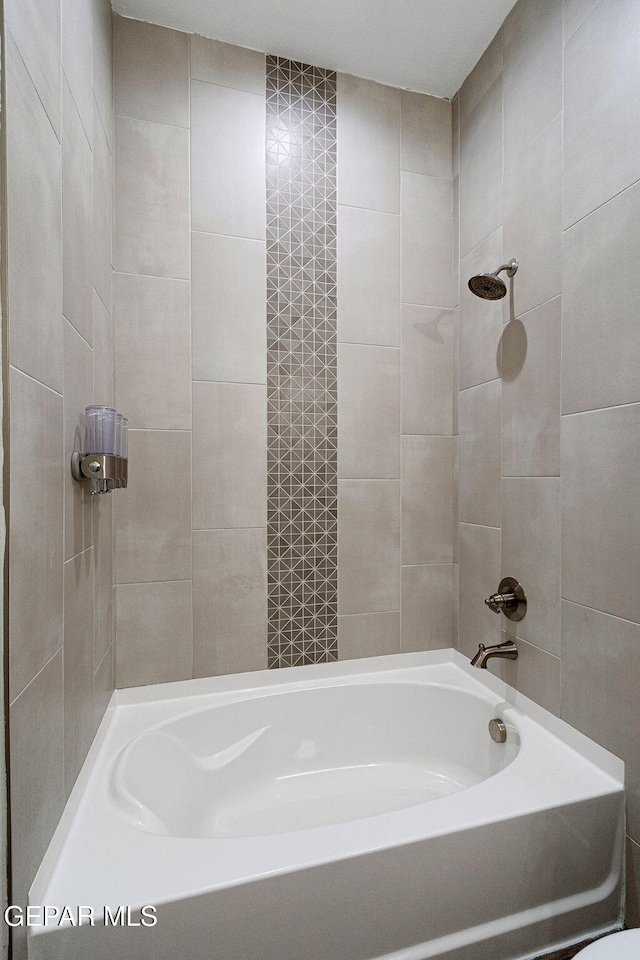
[345, 811]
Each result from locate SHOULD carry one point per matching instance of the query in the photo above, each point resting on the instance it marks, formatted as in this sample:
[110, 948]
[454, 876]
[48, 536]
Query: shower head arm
[510, 267]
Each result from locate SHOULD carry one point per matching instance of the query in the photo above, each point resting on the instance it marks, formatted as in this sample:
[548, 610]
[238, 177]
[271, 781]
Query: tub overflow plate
[498, 731]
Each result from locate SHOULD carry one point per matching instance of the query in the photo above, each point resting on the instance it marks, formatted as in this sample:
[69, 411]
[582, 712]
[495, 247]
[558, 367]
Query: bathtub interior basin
[355, 810]
[302, 759]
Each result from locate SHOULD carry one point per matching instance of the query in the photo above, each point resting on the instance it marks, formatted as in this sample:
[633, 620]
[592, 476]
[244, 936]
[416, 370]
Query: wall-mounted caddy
[106, 443]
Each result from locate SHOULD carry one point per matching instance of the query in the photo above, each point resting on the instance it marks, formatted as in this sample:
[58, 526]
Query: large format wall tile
[104, 564]
[154, 635]
[531, 554]
[228, 309]
[368, 635]
[427, 606]
[535, 673]
[79, 625]
[479, 578]
[369, 276]
[531, 393]
[427, 370]
[152, 199]
[103, 353]
[368, 546]
[533, 219]
[427, 475]
[227, 65]
[35, 26]
[103, 64]
[77, 218]
[481, 320]
[481, 79]
[600, 342]
[229, 601]
[227, 161]
[369, 405]
[600, 517]
[78, 394]
[601, 689]
[229, 455]
[481, 170]
[480, 458]
[103, 212]
[427, 223]
[37, 772]
[36, 529]
[369, 148]
[602, 122]
[76, 58]
[153, 352]
[575, 13]
[34, 277]
[426, 135]
[150, 72]
[532, 47]
[153, 515]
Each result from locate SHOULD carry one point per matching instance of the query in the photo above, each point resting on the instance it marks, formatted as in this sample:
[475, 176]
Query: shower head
[489, 286]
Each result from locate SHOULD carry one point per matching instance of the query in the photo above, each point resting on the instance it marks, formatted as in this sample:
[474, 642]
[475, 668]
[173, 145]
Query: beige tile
[532, 76]
[600, 343]
[153, 515]
[455, 134]
[77, 218]
[37, 773]
[34, 224]
[426, 135]
[481, 170]
[229, 455]
[427, 607]
[632, 908]
[575, 13]
[35, 28]
[533, 219]
[531, 554]
[456, 367]
[427, 224]
[228, 308]
[229, 601]
[481, 320]
[369, 276]
[601, 689]
[153, 351]
[369, 405]
[103, 685]
[479, 578]
[369, 144]
[455, 272]
[535, 673]
[602, 123]
[227, 65]
[455, 606]
[480, 454]
[427, 474]
[104, 592]
[103, 212]
[481, 79]
[150, 72]
[36, 531]
[78, 394]
[79, 709]
[154, 633]
[368, 635]
[76, 57]
[531, 393]
[455, 497]
[152, 199]
[600, 517]
[368, 546]
[103, 64]
[103, 353]
[227, 161]
[427, 370]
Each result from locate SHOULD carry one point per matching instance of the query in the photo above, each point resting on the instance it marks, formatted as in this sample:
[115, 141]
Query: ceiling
[424, 45]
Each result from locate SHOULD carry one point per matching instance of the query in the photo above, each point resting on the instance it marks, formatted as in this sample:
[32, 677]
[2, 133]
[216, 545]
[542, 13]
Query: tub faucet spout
[506, 650]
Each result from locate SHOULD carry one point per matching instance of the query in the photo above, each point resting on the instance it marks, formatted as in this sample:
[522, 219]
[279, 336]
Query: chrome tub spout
[506, 650]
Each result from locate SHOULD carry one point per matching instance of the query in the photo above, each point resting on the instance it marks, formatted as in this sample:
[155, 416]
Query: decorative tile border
[301, 364]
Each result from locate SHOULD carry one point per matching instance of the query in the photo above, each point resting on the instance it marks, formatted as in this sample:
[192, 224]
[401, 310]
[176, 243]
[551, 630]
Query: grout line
[35, 676]
[604, 613]
[29, 376]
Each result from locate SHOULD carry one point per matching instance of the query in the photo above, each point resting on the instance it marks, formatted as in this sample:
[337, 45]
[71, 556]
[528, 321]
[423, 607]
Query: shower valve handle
[509, 599]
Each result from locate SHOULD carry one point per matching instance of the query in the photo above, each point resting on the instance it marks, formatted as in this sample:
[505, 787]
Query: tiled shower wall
[549, 403]
[191, 362]
[59, 134]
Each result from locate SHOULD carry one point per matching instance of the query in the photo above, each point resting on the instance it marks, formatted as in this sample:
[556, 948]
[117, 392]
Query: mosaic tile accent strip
[302, 517]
